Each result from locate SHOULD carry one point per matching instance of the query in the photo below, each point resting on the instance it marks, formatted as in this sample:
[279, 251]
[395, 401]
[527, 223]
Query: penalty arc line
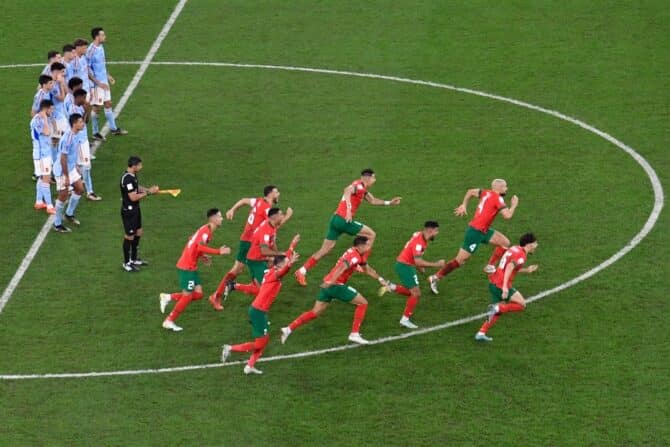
[646, 229]
[44, 231]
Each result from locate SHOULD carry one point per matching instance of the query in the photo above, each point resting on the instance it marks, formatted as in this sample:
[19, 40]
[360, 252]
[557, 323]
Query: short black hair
[359, 240]
[45, 79]
[134, 160]
[268, 189]
[431, 224]
[57, 66]
[80, 92]
[45, 104]
[278, 259]
[367, 172]
[74, 82]
[95, 31]
[273, 211]
[212, 212]
[68, 47]
[526, 239]
[80, 43]
[74, 118]
[51, 54]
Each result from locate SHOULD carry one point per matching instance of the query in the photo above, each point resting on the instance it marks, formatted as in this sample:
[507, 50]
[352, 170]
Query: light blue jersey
[59, 108]
[47, 70]
[69, 146]
[39, 96]
[79, 66]
[69, 70]
[96, 62]
[41, 142]
[71, 108]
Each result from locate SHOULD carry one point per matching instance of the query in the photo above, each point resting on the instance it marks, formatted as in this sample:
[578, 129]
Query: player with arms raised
[479, 231]
[258, 312]
[196, 249]
[257, 215]
[504, 297]
[343, 221]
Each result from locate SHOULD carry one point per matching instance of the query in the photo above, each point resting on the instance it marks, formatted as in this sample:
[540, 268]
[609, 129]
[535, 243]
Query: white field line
[648, 226]
[41, 236]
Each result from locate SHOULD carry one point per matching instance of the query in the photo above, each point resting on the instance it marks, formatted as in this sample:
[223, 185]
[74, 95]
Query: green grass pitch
[586, 366]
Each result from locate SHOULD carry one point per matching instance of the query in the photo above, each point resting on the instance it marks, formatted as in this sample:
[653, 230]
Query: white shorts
[43, 166]
[84, 158]
[63, 125]
[99, 96]
[60, 180]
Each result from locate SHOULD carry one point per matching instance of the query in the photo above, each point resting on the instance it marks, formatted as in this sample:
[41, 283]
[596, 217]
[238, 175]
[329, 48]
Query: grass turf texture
[569, 371]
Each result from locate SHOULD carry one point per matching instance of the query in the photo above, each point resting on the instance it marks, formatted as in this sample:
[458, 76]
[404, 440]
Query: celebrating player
[131, 194]
[408, 260]
[258, 312]
[263, 248]
[40, 133]
[479, 230]
[343, 220]
[504, 297]
[335, 286]
[67, 174]
[257, 215]
[102, 82]
[187, 267]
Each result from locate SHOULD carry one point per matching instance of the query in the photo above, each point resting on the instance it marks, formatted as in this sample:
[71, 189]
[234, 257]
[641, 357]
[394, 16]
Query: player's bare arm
[287, 216]
[462, 209]
[267, 251]
[346, 196]
[507, 213]
[239, 204]
[372, 200]
[63, 164]
[340, 269]
[508, 273]
[529, 269]
[422, 263]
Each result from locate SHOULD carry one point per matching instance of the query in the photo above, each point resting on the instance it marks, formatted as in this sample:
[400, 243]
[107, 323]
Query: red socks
[450, 267]
[304, 318]
[311, 262]
[222, 285]
[412, 301]
[184, 300]
[497, 254]
[260, 344]
[487, 324]
[510, 307]
[175, 296]
[249, 289]
[359, 316]
[402, 290]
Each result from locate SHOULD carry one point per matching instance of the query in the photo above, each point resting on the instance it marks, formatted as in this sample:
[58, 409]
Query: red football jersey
[191, 253]
[356, 199]
[264, 235]
[414, 248]
[515, 254]
[257, 215]
[270, 288]
[490, 202]
[352, 259]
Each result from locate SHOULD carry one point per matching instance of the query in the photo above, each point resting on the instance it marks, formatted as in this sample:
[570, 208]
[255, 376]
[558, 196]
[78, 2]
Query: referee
[131, 194]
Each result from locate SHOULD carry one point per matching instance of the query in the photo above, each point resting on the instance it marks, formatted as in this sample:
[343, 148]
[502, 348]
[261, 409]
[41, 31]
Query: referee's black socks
[134, 244]
[126, 250]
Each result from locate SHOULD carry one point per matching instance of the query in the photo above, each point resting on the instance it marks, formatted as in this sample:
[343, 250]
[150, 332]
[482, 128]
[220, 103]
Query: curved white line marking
[646, 229]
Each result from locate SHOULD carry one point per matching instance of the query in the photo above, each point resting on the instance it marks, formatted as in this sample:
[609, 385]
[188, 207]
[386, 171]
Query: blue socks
[59, 213]
[72, 206]
[95, 124]
[88, 181]
[110, 119]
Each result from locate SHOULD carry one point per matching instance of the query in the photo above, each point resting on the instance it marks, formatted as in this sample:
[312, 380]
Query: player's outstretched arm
[529, 269]
[239, 204]
[372, 200]
[336, 274]
[420, 263]
[462, 209]
[287, 216]
[507, 213]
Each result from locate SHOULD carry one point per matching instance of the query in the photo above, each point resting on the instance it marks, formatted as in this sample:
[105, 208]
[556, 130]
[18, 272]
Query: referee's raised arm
[131, 216]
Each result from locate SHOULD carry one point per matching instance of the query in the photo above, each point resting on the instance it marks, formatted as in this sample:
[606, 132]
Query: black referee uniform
[131, 215]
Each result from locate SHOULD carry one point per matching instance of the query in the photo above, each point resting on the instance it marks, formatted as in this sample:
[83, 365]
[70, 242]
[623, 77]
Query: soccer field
[437, 97]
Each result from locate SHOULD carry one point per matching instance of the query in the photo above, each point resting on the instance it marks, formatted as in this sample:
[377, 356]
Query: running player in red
[343, 220]
[479, 230]
[504, 297]
[257, 215]
[408, 260]
[263, 249]
[335, 286]
[258, 312]
[191, 289]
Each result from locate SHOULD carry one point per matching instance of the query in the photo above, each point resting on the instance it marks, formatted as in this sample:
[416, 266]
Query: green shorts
[259, 322]
[242, 251]
[257, 269]
[496, 293]
[338, 226]
[475, 237]
[188, 279]
[407, 274]
[337, 292]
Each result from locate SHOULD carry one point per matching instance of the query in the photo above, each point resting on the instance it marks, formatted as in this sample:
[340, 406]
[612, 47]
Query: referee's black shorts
[132, 221]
